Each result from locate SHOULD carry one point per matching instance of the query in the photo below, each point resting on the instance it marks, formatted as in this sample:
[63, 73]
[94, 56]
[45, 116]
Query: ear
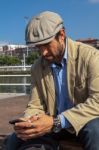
[62, 35]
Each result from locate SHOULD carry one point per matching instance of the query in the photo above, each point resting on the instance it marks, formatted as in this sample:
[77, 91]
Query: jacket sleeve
[36, 104]
[79, 115]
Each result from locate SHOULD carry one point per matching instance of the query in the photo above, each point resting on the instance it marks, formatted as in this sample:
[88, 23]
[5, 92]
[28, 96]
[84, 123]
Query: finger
[27, 137]
[32, 132]
[34, 118]
[18, 128]
[23, 124]
[28, 131]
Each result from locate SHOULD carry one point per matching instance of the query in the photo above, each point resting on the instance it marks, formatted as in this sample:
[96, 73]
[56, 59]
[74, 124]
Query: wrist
[56, 125]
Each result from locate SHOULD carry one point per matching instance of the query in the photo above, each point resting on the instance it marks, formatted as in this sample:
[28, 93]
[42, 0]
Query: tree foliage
[9, 60]
[32, 57]
[12, 60]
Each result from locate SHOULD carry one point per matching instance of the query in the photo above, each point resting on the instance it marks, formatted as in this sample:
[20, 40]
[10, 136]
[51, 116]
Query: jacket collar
[72, 49]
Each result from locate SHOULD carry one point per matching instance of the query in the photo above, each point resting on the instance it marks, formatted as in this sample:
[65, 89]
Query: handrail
[3, 67]
[15, 84]
[15, 75]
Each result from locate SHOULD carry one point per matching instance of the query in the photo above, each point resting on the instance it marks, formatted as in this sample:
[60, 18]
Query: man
[65, 89]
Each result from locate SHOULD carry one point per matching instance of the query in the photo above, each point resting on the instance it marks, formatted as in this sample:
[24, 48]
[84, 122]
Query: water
[15, 84]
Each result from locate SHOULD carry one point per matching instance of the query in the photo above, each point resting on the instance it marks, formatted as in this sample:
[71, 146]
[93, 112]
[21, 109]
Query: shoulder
[37, 64]
[82, 46]
[36, 67]
[86, 51]
[80, 50]
[89, 56]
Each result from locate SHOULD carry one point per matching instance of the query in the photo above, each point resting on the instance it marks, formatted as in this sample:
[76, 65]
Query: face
[53, 51]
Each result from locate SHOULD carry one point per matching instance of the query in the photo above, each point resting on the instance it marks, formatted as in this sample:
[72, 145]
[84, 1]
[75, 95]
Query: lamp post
[26, 18]
[27, 51]
[24, 66]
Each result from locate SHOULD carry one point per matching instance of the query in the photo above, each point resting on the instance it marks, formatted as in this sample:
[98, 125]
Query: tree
[32, 57]
[9, 60]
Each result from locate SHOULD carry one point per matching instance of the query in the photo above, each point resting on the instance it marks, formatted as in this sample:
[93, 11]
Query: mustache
[48, 55]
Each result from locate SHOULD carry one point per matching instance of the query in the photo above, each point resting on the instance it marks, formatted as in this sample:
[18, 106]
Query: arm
[36, 104]
[83, 112]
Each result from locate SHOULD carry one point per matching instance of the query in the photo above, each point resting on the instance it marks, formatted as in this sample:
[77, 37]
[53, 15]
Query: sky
[81, 17]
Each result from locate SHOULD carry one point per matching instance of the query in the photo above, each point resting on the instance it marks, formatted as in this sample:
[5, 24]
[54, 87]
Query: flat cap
[42, 28]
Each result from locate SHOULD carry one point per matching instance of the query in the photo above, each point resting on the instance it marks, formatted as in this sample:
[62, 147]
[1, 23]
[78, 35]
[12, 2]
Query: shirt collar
[65, 54]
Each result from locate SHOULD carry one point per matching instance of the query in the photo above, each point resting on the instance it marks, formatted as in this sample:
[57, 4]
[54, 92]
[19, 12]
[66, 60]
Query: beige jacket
[83, 86]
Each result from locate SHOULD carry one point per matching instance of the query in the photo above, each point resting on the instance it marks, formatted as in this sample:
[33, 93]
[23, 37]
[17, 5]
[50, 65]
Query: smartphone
[13, 121]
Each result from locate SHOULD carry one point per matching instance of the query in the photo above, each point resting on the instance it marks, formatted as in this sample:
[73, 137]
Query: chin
[50, 59]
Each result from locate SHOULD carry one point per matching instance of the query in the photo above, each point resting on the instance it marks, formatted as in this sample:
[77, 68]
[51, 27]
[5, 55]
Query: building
[90, 41]
[23, 50]
[1, 49]
[15, 50]
[11, 49]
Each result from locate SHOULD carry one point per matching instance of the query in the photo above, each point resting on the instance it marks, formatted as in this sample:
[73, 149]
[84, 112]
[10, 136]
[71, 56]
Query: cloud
[94, 1]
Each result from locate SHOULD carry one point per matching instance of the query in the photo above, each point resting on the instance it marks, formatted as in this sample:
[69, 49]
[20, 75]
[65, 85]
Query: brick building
[90, 41]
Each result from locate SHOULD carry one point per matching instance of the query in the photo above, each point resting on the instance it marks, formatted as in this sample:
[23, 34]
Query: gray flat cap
[42, 28]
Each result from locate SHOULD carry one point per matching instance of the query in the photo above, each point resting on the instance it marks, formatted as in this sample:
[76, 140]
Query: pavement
[9, 95]
[9, 108]
[13, 106]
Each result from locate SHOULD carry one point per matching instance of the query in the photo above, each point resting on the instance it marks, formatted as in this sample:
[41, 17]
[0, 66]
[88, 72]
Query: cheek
[56, 51]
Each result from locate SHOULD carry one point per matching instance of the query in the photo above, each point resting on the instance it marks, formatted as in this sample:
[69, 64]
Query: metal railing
[15, 68]
[19, 75]
[10, 84]
[15, 75]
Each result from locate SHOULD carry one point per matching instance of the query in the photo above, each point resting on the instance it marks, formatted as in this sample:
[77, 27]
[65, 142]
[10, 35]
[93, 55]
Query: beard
[55, 55]
[59, 53]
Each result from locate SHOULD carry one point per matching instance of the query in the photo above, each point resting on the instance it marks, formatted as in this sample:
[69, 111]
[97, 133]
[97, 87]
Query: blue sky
[81, 17]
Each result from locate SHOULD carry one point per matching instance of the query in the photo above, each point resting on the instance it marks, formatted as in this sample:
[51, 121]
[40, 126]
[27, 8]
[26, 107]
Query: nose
[44, 51]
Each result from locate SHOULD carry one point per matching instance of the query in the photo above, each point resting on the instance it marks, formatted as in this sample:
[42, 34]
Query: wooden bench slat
[71, 145]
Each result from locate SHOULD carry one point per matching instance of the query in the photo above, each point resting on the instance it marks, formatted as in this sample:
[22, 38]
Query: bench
[2, 140]
[71, 145]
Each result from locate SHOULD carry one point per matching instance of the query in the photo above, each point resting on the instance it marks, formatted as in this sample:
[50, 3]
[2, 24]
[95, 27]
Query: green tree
[2, 61]
[32, 57]
[9, 60]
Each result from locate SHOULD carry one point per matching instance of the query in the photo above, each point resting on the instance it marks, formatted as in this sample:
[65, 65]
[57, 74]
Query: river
[15, 84]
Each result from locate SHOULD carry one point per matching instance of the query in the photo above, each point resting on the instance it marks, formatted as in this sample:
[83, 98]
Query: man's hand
[34, 127]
